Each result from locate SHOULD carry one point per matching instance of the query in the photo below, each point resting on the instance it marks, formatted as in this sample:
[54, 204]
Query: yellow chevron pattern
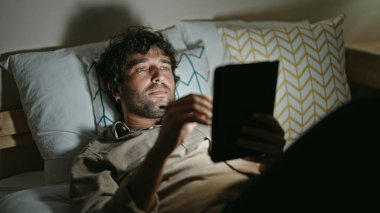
[312, 79]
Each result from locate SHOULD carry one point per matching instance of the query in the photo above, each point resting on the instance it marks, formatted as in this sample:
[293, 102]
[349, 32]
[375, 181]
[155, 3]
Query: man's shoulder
[101, 142]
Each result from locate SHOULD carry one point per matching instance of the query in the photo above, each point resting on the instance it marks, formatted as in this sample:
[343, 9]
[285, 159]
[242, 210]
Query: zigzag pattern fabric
[104, 111]
[193, 72]
[312, 79]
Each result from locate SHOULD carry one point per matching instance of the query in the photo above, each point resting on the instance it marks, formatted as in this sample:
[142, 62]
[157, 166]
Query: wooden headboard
[18, 152]
[363, 68]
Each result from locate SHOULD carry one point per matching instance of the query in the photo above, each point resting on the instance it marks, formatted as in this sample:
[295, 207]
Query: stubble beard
[142, 105]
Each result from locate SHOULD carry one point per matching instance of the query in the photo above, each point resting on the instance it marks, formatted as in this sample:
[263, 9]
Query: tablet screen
[240, 90]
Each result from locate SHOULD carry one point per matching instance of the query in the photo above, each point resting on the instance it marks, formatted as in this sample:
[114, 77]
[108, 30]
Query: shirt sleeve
[94, 189]
[131, 205]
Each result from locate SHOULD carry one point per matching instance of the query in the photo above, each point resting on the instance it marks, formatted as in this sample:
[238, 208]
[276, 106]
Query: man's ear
[114, 90]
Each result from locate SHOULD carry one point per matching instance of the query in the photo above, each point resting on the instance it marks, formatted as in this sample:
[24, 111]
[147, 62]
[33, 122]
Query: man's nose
[157, 76]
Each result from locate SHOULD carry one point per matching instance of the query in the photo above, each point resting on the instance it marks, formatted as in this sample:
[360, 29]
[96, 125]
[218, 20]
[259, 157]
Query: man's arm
[180, 119]
[93, 188]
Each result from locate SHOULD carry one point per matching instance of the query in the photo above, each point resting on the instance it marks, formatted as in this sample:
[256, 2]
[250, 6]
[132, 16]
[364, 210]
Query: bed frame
[18, 152]
[363, 68]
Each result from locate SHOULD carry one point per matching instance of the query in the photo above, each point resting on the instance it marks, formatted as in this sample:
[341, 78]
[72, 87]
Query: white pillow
[174, 35]
[195, 31]
[55, 98]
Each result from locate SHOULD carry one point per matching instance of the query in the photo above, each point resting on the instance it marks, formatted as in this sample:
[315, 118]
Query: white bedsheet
[28, 193]
[21, 181]
[45, 199]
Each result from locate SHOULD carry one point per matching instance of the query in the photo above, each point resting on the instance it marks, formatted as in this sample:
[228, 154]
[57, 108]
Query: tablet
[240, 90]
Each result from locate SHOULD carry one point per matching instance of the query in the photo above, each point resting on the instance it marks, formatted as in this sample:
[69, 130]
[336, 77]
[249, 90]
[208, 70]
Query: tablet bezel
[240, 90]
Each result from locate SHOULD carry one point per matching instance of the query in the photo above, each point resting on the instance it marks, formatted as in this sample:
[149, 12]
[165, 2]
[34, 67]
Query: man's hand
[265, 139]
[181, 117]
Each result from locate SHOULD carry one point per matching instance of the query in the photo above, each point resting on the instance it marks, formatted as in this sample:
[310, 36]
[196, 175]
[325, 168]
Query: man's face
[148, 84]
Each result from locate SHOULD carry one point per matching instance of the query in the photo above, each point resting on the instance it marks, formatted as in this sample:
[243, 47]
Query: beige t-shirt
[191, 182]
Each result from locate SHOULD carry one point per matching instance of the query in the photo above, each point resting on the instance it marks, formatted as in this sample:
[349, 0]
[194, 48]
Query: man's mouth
[158, 93]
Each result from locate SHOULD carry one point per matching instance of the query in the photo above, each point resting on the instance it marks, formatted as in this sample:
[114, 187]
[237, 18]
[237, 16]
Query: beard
[142, 105]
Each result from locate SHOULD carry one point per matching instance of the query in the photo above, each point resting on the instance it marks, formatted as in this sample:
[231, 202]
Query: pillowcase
[174, 35]
[55, 98]
[194, 73]
[195, 31]
[105, 112]
[312, 79]
[192, 70]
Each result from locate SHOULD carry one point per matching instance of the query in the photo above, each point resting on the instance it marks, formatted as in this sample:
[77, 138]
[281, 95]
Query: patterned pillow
[192, 70]
[312, 79]
[194, 73]
[104, 111]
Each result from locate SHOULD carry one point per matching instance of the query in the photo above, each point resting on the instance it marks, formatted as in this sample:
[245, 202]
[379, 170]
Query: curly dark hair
[132, 40]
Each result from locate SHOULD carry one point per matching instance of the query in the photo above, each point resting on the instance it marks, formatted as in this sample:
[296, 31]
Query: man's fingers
[259, 147]
[197, 104]
[269, 121]
[198, 119]
[202, 100]
[262, 135]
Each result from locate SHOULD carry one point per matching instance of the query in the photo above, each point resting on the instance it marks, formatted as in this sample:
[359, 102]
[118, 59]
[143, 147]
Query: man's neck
[134, 121]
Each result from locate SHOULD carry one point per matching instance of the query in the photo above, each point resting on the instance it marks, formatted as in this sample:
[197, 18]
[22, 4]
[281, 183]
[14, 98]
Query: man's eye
[141, 69]
[165, 68]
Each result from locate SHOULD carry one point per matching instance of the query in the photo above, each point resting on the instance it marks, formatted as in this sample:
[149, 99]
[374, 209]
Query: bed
[62, 105]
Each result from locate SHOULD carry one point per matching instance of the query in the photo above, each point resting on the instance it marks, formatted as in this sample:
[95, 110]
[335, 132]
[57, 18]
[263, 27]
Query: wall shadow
[90, 23]
[94, 23]
[312, 11]
[10, 97]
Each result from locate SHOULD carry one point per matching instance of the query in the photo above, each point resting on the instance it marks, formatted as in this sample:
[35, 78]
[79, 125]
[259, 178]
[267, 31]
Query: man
[157, 158]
